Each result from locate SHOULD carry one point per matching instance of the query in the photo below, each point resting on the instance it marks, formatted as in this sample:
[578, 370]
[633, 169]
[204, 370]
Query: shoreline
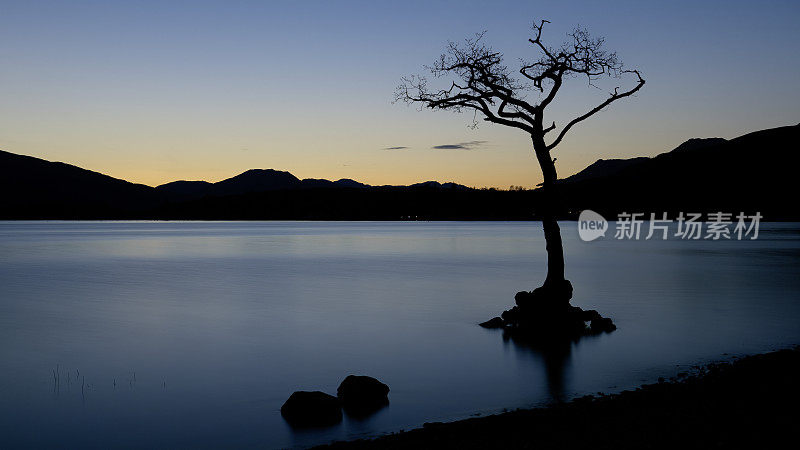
[750, 402]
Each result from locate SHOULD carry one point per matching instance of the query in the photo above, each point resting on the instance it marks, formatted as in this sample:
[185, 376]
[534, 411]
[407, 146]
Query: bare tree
[475, 78]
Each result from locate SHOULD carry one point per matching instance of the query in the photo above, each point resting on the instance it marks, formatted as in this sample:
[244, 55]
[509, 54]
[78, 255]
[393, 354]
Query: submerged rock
[602, 324]
[511, 315]
[495, 322]
[591, 314]
[362, 395]
[311, 409]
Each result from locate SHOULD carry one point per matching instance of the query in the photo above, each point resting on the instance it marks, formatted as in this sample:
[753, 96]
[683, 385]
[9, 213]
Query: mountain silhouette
[754, 172]
[603, 168]
[342, 183]
[185, 190]
[609, 167]
[251, 181]
[698, 143]
[34, 188]
[254, 180]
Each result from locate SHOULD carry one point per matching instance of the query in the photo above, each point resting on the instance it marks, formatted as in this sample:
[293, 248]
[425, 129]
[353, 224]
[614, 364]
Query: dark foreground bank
[750, 403]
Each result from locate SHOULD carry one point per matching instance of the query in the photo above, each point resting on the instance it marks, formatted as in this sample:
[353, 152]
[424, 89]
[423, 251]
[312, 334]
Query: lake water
[192, 334]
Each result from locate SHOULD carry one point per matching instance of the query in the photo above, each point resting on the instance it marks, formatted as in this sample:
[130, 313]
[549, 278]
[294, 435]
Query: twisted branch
[479, 80]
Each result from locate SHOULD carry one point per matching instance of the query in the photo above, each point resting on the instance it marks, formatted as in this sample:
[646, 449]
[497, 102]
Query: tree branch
[614, 97]
[479, 80]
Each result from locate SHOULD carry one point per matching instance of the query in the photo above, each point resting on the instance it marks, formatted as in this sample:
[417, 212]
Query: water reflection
[554, 356]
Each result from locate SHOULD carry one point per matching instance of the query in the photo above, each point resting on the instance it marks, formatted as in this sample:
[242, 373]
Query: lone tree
[475, 78]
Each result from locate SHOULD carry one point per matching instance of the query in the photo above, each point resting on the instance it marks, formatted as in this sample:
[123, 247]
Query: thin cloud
[460, 146]
[395, 148]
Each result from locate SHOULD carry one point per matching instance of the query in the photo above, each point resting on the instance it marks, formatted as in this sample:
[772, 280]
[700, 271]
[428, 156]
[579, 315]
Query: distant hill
[603, 168]
[185, 190]
[754, 172]
[697, 144]
[312, 183]
[611, 167]
[251, 181]
[35, 188]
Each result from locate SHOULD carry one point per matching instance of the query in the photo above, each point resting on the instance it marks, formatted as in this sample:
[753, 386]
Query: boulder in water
[312, 409]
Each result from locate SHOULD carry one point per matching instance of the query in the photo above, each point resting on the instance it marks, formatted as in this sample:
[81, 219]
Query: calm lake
[192, 334]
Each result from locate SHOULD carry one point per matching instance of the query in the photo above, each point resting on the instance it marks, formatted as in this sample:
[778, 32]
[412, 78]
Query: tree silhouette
[475, 78]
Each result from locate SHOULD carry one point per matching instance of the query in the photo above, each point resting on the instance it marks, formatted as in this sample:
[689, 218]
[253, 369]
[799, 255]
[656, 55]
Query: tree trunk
[548, 212]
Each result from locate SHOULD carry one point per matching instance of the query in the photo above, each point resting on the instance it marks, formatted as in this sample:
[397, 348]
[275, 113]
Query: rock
[511, 315]
[602, 324]
[361, 395]
[590, 314]
[310, 409]
[495, 322]
[546, 315]
[548, 297]
[524, 298]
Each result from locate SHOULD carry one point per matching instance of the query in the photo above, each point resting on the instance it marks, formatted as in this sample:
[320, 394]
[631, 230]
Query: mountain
[753, 172]
[610, 167]
[697, 144]
[348, 183]
[254, 180]
[604, 168]
[317, 183]
[184, 190]
[436, 185]
[34, 188]
[264, 180]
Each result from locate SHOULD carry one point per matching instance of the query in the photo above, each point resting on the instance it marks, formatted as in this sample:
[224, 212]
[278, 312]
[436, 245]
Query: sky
[157, 91]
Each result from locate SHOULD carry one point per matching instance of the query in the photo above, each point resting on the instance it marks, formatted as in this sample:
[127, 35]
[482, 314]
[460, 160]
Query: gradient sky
[156, 91]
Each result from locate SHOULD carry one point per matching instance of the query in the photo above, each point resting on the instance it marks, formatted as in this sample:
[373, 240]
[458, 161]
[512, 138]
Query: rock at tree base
[495, 322]
[312, 409]
[602, 324]
[546, 313]
[550, 296]
[362, 395]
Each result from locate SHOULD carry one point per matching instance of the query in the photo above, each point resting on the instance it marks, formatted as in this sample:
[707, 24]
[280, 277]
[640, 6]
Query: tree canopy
[476, 78]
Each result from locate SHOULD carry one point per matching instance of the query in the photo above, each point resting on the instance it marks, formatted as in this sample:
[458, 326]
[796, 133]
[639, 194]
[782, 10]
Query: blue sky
[158, 91]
